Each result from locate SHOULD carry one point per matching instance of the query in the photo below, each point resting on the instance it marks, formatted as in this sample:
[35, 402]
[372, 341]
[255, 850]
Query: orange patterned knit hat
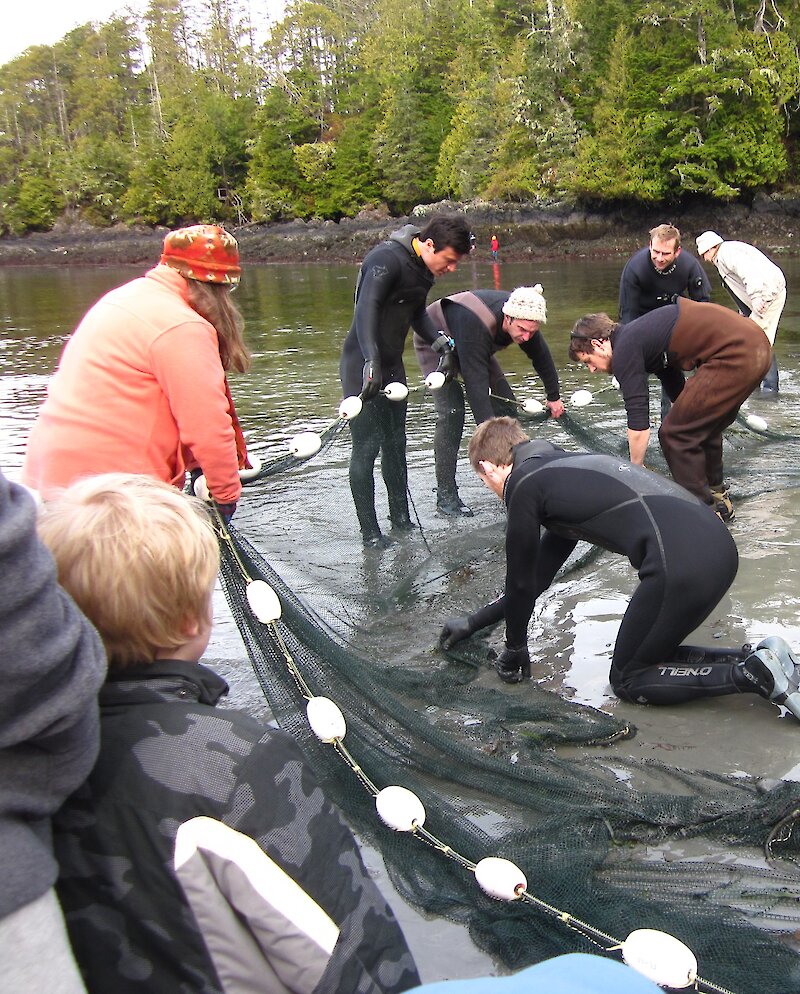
[203, 252]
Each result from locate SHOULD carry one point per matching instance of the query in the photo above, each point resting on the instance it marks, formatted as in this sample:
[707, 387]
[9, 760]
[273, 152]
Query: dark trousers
[379, 428]
[450, 408]
[691, 433]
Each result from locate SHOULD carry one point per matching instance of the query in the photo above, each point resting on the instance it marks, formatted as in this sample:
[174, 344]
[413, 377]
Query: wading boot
[775, 672]
[376, 540]
[769, 385]
[403, 523]
[451, 505]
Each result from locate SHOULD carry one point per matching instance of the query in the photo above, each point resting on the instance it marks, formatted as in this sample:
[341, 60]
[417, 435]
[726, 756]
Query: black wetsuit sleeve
[630, 300]
[474, 350]
[699, 285]
[424, 327]
[487, 615]
[532, 560]
[633, 383]
[537, 350]
[380, 275]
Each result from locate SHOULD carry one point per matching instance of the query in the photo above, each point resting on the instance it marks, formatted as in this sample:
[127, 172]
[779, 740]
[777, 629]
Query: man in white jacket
[756, 284]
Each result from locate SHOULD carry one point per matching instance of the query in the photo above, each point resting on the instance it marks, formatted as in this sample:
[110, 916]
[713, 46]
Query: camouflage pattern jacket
[201, 856]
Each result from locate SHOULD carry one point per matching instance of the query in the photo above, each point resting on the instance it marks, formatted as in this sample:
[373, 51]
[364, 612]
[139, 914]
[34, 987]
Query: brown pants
[731, 355]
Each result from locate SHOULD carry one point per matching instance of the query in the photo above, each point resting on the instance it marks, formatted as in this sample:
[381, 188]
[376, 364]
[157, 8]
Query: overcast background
[43, 22]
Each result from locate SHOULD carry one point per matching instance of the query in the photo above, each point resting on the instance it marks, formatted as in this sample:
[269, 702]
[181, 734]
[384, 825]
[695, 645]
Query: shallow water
[304, 522]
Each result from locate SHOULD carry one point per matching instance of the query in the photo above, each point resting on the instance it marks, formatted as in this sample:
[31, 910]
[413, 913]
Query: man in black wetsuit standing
[685, 557]
[480, 323]
[391, 292]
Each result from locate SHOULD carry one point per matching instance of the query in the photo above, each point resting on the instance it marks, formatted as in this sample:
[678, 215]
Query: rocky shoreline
[525, 232]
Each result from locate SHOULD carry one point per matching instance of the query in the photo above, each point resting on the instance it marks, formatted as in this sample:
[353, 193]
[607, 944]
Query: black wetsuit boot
[449, 405]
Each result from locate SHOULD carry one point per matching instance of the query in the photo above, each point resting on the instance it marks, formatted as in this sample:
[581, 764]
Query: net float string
[659, 956]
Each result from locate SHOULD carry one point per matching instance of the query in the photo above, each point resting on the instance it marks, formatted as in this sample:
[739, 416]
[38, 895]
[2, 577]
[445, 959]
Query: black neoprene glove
[461, 627]
[455, 630]
[371, 379]
[513, 665]
[444, 348]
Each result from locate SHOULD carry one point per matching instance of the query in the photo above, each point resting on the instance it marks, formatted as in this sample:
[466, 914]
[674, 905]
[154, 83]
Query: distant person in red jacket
[495, 247]
[141, 385]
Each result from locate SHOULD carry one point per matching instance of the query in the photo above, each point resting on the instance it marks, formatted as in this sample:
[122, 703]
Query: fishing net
[615, 843]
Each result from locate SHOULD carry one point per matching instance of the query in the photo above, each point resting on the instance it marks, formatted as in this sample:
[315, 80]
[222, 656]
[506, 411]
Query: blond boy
[190, 808]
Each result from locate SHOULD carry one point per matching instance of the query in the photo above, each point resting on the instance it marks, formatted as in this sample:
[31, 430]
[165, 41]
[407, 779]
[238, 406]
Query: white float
[581, 398]
[756, 423]
[395, 391]
[435, 380]
[350, 407]
[660, 957]
[252, 471]
[201, 489]
[400, 809]
[500, 878]
[532, 406]
[615, 382]
[326, 719]
[263, 602]
[305, 444]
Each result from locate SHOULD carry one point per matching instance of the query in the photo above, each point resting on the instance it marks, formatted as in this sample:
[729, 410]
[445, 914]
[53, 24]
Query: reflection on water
[596, 622]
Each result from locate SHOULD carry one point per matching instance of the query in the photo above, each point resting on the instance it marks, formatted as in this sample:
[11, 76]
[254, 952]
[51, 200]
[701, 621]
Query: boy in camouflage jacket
[267, 891]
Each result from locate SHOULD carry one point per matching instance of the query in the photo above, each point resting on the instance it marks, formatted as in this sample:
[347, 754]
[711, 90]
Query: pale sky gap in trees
[44, 22]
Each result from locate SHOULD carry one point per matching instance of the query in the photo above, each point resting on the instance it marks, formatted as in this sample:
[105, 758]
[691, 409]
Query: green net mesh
[533, 778]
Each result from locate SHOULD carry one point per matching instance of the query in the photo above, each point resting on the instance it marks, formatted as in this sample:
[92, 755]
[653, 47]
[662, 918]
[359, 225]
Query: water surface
[297, 317]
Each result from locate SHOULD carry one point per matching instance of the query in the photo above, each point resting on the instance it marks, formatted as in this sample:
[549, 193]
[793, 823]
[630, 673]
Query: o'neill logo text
[684, 670]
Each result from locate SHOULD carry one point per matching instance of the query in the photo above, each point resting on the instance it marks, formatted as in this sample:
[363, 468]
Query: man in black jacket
[391, 292]
[480, 323]
[660, 273]
[685, 557]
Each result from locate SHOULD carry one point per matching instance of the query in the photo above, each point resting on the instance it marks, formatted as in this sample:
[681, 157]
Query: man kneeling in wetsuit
[684, 554]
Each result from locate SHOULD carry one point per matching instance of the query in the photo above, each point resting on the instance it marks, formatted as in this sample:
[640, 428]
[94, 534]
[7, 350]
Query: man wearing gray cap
[480, 323]
[757, 285]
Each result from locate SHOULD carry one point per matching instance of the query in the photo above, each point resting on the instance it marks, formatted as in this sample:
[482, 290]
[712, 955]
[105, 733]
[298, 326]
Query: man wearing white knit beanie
[480, 323]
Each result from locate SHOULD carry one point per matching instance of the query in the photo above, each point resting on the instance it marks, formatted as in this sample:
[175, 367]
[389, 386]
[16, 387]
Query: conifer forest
[200, 110]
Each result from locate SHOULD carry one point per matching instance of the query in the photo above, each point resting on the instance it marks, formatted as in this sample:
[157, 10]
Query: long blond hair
[213, 302]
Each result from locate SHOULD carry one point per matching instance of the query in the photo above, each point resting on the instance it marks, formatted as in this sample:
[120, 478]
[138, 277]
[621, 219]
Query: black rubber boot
[376, 540]
[450, 504]
[513, 665]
